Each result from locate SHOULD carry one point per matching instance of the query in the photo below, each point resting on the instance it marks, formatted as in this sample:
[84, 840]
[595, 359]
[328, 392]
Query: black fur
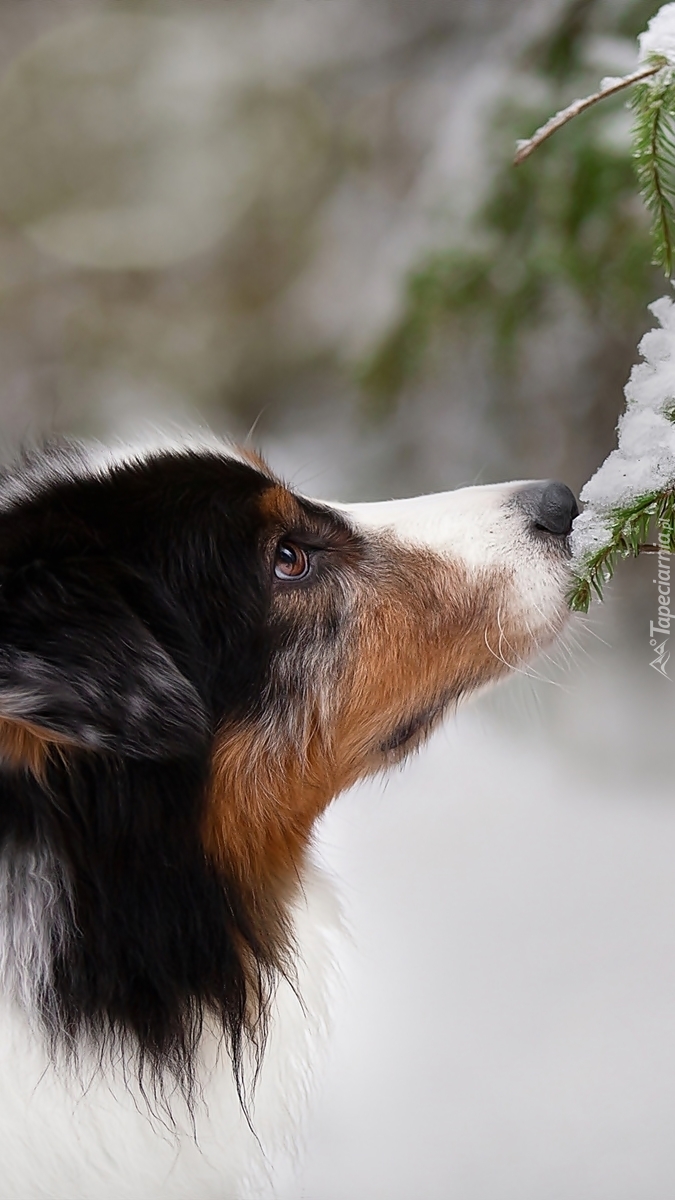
[134, 610]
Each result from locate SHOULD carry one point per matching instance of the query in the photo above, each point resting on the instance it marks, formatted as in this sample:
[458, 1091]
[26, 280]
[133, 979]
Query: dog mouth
[416, 727]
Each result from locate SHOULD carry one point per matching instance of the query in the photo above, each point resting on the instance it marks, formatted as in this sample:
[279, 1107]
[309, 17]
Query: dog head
[194, 660]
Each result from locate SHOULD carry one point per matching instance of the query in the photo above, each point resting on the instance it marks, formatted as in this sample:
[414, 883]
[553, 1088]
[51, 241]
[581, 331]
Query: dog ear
[77, 665]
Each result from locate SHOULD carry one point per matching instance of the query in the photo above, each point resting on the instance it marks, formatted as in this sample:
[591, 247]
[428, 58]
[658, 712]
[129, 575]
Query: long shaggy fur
[193, 662]
[119, 932]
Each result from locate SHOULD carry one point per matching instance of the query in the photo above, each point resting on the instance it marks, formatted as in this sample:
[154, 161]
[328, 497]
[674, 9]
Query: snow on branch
[608, 87]
[653, 103]
[636, 484]
[658, 39]
[634, 489]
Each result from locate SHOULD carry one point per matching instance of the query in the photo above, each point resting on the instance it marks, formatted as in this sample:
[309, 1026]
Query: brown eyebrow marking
[279, 506]
[310, 521]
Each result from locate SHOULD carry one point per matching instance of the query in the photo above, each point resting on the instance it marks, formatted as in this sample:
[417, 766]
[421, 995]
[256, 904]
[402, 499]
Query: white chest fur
[91, 1137]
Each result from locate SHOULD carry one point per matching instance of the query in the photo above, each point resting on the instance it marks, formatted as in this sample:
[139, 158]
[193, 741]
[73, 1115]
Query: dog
[194, 660]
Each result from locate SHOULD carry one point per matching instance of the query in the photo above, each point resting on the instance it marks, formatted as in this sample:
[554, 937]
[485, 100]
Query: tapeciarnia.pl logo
[659, 630]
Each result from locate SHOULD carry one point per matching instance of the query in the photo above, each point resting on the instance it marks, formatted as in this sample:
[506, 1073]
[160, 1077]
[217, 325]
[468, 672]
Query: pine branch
[629, 538]
[653, 104]
[525, 147]
[654, 141]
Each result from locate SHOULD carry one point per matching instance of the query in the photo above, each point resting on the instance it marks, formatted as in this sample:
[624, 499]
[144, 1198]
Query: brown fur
[250, 455]
[423, 635]
[280, 508]
[28, 746]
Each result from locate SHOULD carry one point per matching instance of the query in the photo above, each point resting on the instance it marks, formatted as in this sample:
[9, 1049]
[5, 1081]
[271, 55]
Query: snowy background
[207, 212]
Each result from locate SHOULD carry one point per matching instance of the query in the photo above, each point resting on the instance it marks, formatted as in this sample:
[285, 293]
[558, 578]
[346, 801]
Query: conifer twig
[653, 105]
[525, 147]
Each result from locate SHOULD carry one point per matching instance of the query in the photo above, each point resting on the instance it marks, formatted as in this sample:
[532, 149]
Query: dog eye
[291, 561]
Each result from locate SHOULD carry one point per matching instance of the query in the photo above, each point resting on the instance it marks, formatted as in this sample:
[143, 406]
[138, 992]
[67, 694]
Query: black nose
[552, 506]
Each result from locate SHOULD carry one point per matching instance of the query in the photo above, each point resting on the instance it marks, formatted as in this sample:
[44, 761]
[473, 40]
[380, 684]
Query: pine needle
[629, 538]
[653, 103]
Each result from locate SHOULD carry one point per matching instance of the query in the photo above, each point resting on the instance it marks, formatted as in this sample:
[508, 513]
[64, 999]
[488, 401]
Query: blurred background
[296, 221]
